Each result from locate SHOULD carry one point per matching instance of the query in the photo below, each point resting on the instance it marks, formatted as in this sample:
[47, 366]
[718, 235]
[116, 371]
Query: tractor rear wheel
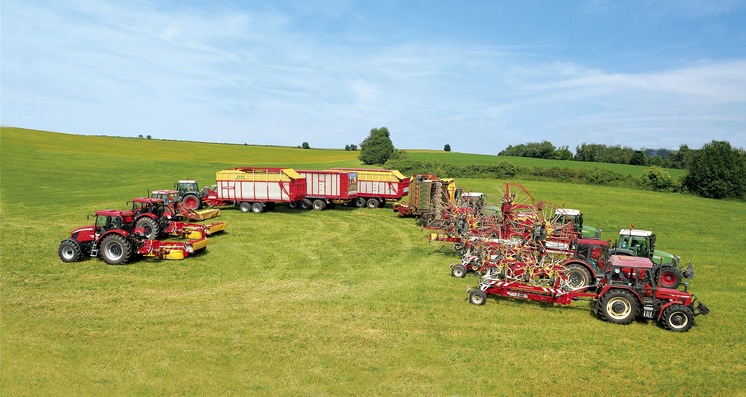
[191, 201]
[116, 249]
[477, 297]
[677, 318]
[373, 203]
[618, 306]
[577, 276]
[458, 271]
[668, 277]
[151, 227]
[319, 205]
[257, 208]
[70, 251]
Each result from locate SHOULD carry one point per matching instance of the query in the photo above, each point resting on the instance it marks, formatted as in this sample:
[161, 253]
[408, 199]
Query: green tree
[717, 171]
[377, 147]
[305, 145]
[638, 158]
[347, 148]
[353, 147]
[447, 148]
[656, 178]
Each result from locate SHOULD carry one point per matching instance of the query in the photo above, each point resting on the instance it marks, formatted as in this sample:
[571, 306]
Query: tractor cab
[471, 201]
[639, 242]
[149, 205]
[107, 220]
[594, 252]
[575, 217]
[186, 186]
[168, 196]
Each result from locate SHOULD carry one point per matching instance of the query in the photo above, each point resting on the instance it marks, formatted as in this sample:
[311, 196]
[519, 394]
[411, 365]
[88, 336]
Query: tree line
[600, 153]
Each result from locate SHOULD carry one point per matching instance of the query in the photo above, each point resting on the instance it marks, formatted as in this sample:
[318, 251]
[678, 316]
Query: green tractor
[567, 215]
[636, 242]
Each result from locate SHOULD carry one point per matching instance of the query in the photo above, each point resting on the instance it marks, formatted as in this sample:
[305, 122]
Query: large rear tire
[116, 249]
[618, 306]
[151, 227]
[677, 318]
[668, 277]
[191, 201]
[70, 251]
[577, 276]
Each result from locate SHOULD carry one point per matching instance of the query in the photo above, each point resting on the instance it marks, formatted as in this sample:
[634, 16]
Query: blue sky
[479, 76]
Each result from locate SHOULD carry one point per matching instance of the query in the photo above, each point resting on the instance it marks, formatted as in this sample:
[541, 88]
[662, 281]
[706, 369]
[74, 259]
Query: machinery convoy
[518, 247]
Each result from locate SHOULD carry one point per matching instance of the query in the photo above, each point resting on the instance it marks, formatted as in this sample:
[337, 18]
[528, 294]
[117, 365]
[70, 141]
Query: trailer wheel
[115, 249]
[477, 297]
[151, 227]
[458, 271]
[668, 276]
[373, 202]
[577, 276]
[677, 318]
[319, 205]
[306, 204]
[70, 251]
[293, 204]
[191, 201]
[244, 206]
[360, 202]
[618, 306]
[257, 208]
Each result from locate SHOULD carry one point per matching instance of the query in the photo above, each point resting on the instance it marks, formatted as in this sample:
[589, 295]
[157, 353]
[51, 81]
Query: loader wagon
[326, 188]
[256, 189]
[375, 187]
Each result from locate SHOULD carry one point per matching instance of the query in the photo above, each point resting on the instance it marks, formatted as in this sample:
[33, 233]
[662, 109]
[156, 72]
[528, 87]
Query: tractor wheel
[577, 276]
[306, 204]
[360, 202]
[477, 297]
[677, 318]
[373, 203]
[319, 205]
[70, 251]
[668, 277]
[191, 201]
[618, 306]
[151, 227]
[116, 249]
[458, 271]
[257, 208]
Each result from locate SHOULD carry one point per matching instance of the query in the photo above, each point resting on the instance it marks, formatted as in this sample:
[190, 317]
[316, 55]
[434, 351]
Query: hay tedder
[627, 291]
[116, 238]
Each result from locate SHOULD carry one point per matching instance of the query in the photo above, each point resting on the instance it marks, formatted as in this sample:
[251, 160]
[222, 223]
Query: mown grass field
[340, 302]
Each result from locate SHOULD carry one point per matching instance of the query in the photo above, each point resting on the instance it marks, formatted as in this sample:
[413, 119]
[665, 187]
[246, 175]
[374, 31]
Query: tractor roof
[165, 191]
[593, 241]
[122, 213]
[635, 232]
[146, 200]
[639, 262]
[567, 211]
[187, 181]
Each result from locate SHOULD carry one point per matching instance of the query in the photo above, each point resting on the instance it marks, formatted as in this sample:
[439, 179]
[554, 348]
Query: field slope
[339, 302]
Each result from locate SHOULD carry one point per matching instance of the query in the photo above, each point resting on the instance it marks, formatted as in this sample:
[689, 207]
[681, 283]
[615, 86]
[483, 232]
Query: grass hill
[339, 302]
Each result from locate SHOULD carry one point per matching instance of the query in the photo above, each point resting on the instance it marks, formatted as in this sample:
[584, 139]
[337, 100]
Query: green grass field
[339, 302]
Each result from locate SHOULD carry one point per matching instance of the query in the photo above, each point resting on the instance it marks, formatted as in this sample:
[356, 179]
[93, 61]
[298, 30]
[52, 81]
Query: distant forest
[604, 154]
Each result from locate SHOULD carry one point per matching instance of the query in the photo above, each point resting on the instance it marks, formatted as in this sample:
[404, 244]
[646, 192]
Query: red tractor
[116, 238]
[626, 292]
[155, 217]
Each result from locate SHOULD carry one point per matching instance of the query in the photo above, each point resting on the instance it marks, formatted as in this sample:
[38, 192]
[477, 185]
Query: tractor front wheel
[70, 251]
[668, 277]
[151, 227]
[677, 318]
[116, 249]
[458, 271]
[577, 276]
[618, 307]
[477, 297]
